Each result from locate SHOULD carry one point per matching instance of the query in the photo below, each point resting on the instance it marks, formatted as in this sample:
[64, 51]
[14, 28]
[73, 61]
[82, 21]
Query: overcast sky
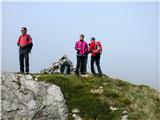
[127, 30]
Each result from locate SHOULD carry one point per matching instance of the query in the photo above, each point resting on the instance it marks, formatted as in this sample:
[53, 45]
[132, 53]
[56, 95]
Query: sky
[129, 32]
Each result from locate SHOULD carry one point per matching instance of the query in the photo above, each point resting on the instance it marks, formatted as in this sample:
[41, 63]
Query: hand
[21, 46]
[78, 49]
[95, 51]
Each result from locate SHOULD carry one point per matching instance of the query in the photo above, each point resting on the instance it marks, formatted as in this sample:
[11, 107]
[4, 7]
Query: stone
[24, 98]
[125, 115]
[113, 108]
[75, 111]
[55, 68]
[99, 90]
[75, 114]
[76, 117]
[29, 77]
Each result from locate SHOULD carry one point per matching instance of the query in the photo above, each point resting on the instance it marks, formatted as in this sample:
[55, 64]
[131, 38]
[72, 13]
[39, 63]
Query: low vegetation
[94, 96]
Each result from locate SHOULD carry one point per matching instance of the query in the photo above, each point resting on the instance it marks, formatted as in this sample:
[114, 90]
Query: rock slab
[26, 99]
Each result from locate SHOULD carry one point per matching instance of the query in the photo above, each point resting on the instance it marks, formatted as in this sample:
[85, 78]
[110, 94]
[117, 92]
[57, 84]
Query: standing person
[25, 45]
[82, 48]
[96, 50]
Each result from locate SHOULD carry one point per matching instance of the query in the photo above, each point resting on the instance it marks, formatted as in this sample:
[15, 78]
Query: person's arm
[76, 46]
[97, 50]
[91, 47]
[86, 48]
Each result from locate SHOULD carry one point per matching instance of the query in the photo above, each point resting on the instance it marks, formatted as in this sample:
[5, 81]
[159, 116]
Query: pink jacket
[81, 47]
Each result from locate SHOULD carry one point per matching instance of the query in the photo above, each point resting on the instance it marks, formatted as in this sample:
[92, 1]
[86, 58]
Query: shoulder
[85, 42]
[28, 35]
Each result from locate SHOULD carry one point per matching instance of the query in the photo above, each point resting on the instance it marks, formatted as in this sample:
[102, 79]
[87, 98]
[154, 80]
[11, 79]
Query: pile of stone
[56, 66]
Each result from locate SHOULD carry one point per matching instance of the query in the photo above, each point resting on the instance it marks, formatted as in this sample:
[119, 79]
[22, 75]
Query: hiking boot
[21, 72]
[76, 73]
[26, 73]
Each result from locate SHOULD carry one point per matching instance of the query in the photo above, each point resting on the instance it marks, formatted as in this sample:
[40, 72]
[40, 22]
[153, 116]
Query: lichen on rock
[24, 98]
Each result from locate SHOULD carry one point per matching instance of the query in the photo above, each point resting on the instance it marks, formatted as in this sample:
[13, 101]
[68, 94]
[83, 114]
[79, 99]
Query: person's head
[23, 30]
[93, 39]
[81, 37]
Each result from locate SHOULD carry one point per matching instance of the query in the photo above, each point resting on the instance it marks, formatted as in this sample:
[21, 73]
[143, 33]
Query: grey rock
[24, 98]
[29, 77]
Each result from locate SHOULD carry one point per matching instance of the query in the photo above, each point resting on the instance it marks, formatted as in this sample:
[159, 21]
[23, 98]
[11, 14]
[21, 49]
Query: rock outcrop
[25, 98]
[55, 68]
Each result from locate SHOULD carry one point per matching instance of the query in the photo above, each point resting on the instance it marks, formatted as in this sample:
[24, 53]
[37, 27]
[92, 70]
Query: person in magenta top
[25, 45]
[82, 49]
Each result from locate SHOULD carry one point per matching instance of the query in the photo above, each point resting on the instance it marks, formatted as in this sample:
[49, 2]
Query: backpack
[99, 47]
[30, 45]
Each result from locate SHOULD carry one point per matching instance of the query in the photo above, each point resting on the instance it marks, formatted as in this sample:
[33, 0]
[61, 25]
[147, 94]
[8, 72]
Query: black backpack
[30, 45]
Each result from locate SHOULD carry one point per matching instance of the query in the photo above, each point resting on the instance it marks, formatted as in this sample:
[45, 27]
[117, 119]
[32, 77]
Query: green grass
[117, 93]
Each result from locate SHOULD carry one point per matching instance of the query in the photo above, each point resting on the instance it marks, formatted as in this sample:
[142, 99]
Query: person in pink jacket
[82, 50]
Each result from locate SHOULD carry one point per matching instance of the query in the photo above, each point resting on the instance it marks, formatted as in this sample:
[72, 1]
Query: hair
[93, 38]
[82, 35]
[24, 28]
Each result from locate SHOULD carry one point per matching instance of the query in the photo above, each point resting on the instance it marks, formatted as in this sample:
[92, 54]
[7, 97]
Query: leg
[21, 61]
[78, 65]
[92, 65]
[62, 68]
[68, 69]
[98, 64]
[83, 65]
[26, 56]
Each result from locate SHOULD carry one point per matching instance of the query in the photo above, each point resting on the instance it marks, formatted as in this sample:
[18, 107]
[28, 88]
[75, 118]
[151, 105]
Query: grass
[116, 93]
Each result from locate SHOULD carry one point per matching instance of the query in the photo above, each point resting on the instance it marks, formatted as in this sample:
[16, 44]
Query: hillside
[105, 98]
[56, 96]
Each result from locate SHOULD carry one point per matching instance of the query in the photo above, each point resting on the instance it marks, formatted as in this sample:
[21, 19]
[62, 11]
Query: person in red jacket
[96, 49]
[25, 45]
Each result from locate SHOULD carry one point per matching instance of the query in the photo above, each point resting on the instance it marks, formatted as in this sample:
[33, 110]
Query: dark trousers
[85, 63]
[80, 64]
[24, 58]
[96, 59]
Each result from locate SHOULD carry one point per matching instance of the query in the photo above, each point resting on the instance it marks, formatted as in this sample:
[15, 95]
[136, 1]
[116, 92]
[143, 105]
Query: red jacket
[95, 48]
[24, 40]
[92, 48]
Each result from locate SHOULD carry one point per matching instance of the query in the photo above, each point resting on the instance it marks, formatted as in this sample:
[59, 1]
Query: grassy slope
[142, 102]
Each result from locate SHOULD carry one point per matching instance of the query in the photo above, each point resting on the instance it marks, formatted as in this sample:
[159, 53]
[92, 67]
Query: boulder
[24, 98]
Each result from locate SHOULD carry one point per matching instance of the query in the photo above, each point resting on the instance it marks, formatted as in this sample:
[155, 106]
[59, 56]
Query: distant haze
[128, 31]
